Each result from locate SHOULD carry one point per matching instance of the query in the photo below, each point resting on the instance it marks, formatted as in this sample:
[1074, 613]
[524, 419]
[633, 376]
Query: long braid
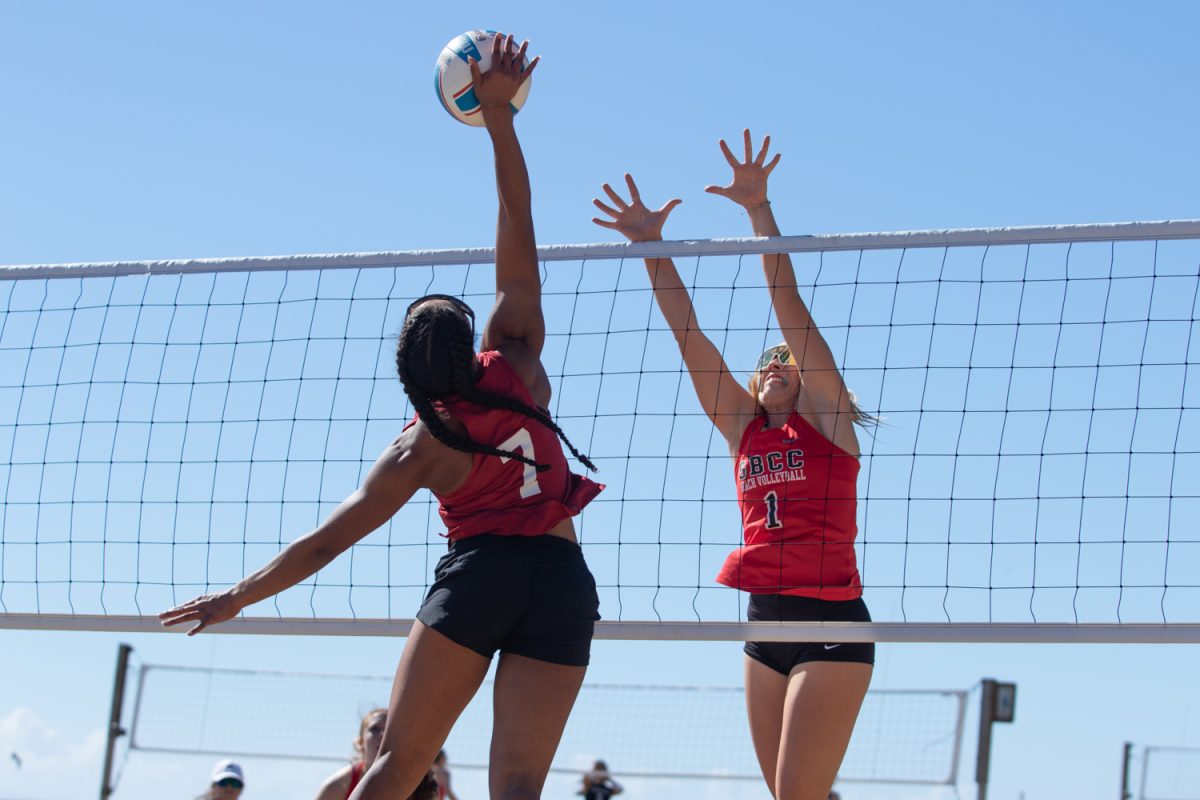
[476, 395]
[426, 377]
[454, 375]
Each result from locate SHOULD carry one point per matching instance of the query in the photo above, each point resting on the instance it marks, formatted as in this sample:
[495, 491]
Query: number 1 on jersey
[523, 442]
[772, 501]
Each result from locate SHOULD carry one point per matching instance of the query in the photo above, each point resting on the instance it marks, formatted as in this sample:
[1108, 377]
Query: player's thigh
[822, 705]
[766, 692]
[435, 680]
[532, 700]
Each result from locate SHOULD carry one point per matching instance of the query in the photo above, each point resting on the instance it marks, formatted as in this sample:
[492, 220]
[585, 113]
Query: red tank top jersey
[502, 495]
[798, 495]
[357, 770]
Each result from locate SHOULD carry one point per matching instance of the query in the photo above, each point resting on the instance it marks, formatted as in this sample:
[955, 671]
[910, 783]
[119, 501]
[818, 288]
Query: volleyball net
[1168, 773]
[902, 737]
[166, 427]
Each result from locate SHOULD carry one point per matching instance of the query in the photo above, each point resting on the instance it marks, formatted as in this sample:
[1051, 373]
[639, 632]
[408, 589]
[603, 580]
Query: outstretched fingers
[771, 166]
[668, 207]
[733, 162]
[616, 198]
[607, 209]
[762, 153]
[633, 190]
[498, 48]
[183, 615]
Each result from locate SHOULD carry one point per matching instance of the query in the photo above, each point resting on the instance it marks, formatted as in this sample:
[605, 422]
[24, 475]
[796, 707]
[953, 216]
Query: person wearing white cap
[228, 780]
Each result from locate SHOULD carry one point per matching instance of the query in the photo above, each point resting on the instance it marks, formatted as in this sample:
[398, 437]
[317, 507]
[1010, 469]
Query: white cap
[227, 769]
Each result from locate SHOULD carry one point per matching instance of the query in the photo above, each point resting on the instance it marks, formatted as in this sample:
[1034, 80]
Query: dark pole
[114, 719]
[987, 709]
[1125, 761]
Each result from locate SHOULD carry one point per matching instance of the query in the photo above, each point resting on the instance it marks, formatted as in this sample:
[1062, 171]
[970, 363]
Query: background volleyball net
[1167, 773]
[902, 737]
[165, 427]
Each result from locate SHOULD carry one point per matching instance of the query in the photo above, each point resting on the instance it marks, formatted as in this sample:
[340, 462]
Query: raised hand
[749, 185]
[207, 609]
[633, 220]
[497, 87]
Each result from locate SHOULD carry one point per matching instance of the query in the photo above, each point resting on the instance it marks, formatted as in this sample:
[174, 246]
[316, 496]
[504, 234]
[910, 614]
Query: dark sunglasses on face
[782, 352]
[449, 298]
[229, 783]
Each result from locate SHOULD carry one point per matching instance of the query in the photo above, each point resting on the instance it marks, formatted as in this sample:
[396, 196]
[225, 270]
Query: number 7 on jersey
[522, 441]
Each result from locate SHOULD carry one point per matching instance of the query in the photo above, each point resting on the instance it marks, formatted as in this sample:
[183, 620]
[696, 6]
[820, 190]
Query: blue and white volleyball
[452, 78]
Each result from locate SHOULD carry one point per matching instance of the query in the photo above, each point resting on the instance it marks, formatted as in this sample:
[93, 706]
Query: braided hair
[435, 358]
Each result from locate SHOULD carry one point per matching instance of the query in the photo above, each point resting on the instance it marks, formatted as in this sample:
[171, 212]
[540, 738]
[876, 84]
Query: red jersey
[357, 770]
[502, 495]
[798, 495]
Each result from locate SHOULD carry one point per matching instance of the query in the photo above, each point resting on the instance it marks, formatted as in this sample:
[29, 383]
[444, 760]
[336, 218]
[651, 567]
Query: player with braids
[514, 579]
[795, 454]
[454, 375]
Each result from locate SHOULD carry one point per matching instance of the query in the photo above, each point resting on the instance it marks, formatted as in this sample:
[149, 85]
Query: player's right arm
[516, 326]
[724, 400]
[395, 477]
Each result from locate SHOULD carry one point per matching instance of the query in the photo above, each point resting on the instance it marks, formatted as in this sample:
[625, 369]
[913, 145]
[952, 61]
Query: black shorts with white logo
[784, 656]
[532, 596]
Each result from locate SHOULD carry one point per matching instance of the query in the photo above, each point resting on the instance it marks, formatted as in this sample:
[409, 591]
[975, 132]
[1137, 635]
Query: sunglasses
[229, 783]
[449, 298]
[782, 352]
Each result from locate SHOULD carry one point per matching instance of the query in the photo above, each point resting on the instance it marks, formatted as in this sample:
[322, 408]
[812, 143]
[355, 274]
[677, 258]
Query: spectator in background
[599, 784]
[427, 789]
[441, 775]
[340, 784]
[228, 780]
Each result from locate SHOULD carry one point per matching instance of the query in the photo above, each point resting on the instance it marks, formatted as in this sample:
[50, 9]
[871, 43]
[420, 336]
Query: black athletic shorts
[784, 656]
[529, 595]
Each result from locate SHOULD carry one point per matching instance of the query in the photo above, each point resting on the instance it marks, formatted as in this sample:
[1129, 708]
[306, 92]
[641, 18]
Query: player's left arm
[825, 401]
[397, 474]
[516, 326]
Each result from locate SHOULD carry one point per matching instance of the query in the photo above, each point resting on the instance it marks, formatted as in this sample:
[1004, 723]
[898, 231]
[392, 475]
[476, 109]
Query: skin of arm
[824, 400]
[415, 460]
[516, 326]
[727, 404]
[336, 786]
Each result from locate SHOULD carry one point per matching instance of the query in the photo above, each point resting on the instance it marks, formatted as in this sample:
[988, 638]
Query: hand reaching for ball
[496, 88]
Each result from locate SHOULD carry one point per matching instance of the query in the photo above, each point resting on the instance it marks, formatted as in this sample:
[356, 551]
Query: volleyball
[452, 77]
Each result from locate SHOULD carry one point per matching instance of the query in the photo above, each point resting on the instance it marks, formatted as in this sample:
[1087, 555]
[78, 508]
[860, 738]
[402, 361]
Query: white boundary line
[966, 237]
[973, 632]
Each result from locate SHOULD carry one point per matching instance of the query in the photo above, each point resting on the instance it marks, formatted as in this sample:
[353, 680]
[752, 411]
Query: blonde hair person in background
[226, 783]
[340, 784]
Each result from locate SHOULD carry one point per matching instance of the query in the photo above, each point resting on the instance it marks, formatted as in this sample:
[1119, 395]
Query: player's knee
[800, 792]
[519, 786]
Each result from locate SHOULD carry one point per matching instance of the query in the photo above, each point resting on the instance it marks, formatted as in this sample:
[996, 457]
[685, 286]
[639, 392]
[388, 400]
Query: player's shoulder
[336, 786]
[417, 452]
[526, 365]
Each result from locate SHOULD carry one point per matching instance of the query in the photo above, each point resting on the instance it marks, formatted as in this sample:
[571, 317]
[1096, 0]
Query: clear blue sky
[137, 131]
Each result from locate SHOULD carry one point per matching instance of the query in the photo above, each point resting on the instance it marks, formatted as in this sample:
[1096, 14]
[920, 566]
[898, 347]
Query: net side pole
[947, 632]
[965, 237]
[1126, 759]
[114, 720]
[983, 755]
